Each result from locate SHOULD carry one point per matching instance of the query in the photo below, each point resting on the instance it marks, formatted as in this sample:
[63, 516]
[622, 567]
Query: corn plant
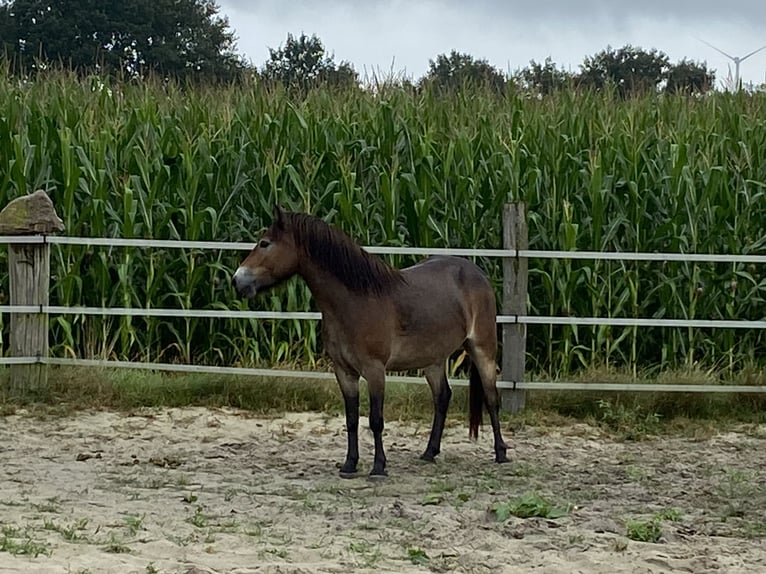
[395, 167]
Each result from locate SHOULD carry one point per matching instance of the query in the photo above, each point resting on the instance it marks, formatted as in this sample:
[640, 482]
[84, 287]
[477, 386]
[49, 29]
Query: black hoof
[378, 471]
[347, 470]
[428, 456]
[376, 476]
[501, 457]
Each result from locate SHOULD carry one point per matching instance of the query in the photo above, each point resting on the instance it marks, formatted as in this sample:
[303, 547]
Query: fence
[29, 272]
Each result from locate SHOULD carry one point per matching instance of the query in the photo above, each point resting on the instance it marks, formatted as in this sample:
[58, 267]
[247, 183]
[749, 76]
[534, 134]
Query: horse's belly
[413, 352]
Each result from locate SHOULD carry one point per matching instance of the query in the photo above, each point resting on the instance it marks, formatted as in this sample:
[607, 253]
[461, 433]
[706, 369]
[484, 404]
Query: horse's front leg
[376, 381]
[349, 386]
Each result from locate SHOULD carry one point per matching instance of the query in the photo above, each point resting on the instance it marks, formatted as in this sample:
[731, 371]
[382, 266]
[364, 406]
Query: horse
[377, 319]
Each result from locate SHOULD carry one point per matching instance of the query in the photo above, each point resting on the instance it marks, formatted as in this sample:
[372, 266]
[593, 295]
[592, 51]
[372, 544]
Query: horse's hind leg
[436, 375]
[349, 386]
[484, 363]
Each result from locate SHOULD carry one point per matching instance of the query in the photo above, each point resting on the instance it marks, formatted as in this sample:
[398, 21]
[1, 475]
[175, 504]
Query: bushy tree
[631, 70]
[689, 78]
[543, 78]
[303, 63]
[6, 28]
[178, 38]
[458, 70]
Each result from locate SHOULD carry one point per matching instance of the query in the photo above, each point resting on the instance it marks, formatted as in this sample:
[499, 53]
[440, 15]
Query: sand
[198, 491]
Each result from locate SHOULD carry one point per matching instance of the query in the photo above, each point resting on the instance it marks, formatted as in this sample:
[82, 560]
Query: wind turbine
[737, 60]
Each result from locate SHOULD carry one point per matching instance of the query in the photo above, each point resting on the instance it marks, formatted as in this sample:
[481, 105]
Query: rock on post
[29, 278]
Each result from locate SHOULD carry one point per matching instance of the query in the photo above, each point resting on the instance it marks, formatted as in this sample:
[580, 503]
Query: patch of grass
[635, 415]
[309, 502]
[432, 498]
[278, 552]
[418, 556]
[70, 532]
[183, 540]
[444, 490]
[115, 546]
[635, 473]
[51, 505]
[442, 486]
[528, 506]
[462, 498]
[650, 530]
[755, 529]
[133, 524]
[669, 514]
[645, 413]
[16, 542]
[198, 519]
[736, 484]
[488, 481]
[632, 423]
[73, 389]
[525, 469]
[369, 554]
[575, 539]
[740, 494]
[644, 530]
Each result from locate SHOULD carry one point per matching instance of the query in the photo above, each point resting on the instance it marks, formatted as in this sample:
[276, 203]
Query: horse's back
[457, 277]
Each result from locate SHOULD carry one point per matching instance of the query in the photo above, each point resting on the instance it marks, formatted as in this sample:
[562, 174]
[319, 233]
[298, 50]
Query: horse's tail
[475, 402]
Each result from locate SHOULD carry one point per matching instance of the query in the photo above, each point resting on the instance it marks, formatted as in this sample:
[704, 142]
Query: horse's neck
[325, 288]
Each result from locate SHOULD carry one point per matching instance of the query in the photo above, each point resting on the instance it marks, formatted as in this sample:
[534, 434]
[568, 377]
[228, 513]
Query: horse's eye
[264, 244]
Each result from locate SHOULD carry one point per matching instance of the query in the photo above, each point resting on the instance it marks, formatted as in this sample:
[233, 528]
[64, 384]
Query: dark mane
[338, 254]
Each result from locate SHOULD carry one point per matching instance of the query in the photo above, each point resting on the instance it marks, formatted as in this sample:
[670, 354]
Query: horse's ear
[279, 217]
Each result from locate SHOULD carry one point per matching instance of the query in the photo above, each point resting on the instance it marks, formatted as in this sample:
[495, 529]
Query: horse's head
[273, 259]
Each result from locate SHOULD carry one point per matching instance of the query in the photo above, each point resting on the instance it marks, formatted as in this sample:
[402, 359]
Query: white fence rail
[382, 250]
[296, 375]
[316, 316]
[506, 319]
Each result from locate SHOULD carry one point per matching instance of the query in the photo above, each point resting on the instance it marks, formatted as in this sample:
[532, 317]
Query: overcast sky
[399, 35]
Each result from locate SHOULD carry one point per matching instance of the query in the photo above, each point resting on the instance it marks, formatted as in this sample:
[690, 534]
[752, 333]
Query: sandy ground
[201, 491]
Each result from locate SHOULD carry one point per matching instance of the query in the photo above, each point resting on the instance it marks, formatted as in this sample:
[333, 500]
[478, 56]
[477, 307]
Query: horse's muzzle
[243, 281]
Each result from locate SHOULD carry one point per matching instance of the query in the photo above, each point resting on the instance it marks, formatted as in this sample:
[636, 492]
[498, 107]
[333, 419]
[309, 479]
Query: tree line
[191, 40]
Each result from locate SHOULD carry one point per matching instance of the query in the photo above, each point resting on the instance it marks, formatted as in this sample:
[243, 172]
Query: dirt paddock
[218, 491]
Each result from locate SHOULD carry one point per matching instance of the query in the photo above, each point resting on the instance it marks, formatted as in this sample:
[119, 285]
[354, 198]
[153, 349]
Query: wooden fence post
[29, 278]
[514, 303]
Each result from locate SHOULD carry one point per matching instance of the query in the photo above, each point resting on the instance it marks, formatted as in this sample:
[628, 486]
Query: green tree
[543, 78]
[456, 70]
[303, 63]
[5, 28]
[689, 78]
[630, 69]
[178, 38]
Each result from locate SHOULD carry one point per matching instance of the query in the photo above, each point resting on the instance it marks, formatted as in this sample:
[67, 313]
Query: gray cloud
[383, 34]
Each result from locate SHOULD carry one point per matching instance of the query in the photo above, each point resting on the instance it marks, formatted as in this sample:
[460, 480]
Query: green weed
[528, 506]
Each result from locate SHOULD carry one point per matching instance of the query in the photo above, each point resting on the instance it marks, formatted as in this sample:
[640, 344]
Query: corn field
[393, 168]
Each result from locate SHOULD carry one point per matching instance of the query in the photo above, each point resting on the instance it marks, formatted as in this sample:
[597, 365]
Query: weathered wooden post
[29, 278]
[514, 303]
